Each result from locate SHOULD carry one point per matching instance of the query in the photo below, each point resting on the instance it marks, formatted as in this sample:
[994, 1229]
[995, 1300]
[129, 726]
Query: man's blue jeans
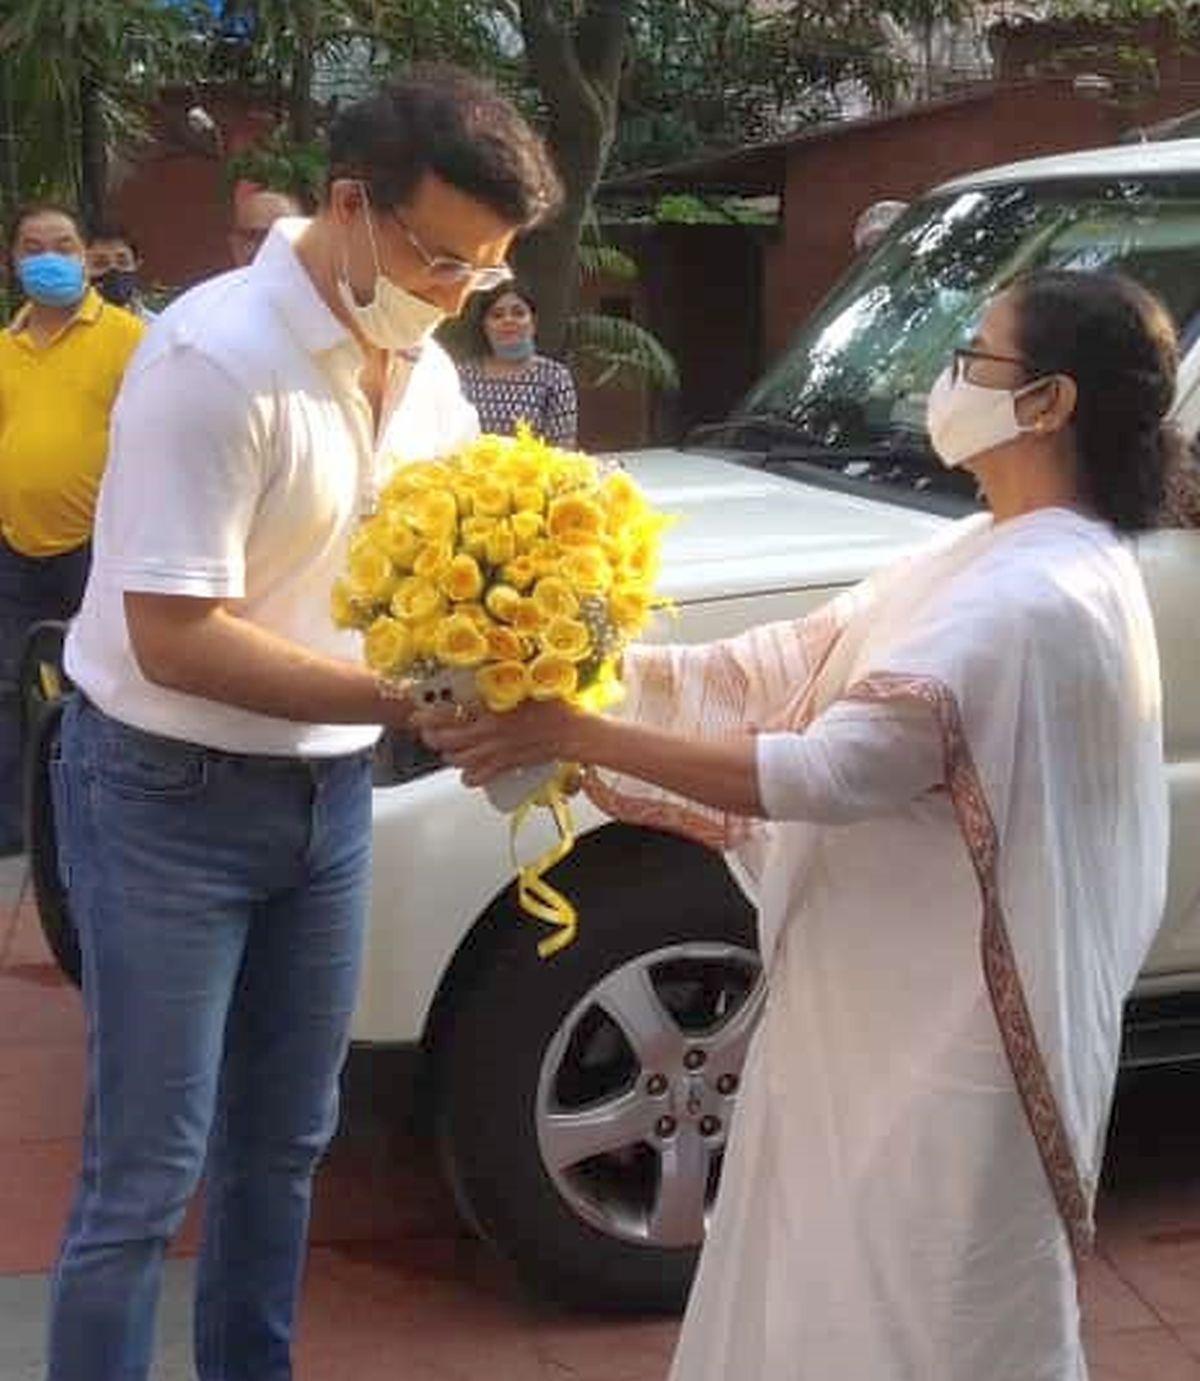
[221, 903]
[32, 589]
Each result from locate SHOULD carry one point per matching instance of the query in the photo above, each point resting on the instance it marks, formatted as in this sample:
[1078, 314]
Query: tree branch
[601, 42]
[550, 53]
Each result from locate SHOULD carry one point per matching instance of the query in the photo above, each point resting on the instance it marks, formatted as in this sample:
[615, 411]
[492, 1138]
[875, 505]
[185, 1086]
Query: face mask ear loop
[1019, 393]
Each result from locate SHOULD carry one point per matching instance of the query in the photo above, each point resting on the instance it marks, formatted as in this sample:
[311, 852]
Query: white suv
[582, 1104]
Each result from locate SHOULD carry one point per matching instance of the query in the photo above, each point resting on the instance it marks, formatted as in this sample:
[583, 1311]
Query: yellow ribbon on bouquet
[536, 897]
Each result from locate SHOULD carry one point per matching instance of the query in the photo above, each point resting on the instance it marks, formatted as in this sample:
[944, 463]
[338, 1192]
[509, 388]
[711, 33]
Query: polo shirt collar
[293, 291]
[91, 305]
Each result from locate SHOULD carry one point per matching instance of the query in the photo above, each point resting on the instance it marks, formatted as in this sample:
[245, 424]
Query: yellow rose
[398, 540]
[587, 569]
[424, 636]
[387, 646]
[520, 573]
[475, 534]
[577, 516]
[418, 601]
[629, 607]
[459, 643]
[526, 528]
[502, 685]
[492, 499]
[527, 618]
[552, 677]
[555, 598]
[368, 534]
[504, 645]
[641, 562]
[501, 602]
[462, 579]
[622, 498]
[434, 513]
[568, 638]
[545, 557]
[501, 545]
[346, 613]
[528, 498]
[432, 560]
[476, 613]
[464, 493]
[421, 475]
[370, 574]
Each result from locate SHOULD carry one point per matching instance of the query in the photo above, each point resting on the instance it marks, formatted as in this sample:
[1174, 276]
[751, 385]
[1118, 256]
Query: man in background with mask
[213, 797]
[61, 362]
[113, 265]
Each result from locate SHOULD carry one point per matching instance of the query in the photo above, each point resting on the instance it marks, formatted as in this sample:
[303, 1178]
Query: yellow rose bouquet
[507, 570]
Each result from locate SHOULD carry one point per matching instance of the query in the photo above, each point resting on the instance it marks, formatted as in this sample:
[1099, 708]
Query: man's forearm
[218, 656]
[723, 775]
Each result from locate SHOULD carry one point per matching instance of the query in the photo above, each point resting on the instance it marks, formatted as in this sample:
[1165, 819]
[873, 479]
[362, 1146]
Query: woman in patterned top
[508, 381]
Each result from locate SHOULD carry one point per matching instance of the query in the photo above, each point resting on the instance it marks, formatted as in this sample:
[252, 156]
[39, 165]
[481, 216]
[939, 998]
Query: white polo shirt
[241, 455]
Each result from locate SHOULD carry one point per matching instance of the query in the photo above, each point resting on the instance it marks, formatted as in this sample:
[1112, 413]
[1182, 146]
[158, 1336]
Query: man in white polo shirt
[213, 787]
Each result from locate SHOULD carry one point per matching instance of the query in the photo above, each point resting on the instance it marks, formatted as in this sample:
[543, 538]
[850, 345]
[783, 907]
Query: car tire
[50, 896]
[525, 1051]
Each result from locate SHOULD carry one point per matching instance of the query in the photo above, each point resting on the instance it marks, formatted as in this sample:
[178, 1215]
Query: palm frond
[606, 261]
[611, 350]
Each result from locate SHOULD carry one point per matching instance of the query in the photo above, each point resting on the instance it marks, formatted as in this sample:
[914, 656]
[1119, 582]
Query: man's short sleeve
[187, 467]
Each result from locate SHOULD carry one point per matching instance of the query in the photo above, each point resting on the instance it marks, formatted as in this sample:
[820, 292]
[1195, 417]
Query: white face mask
[394, 319]
[966, 419]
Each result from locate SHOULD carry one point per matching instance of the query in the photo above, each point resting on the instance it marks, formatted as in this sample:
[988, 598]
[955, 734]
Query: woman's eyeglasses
[965, 356]
[452, 272]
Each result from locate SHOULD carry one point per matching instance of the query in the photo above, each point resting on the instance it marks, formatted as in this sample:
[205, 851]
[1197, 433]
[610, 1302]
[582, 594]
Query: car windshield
[850, 391]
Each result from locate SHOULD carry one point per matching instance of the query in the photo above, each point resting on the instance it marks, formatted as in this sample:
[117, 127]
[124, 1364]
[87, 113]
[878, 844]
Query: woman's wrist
[584, 739]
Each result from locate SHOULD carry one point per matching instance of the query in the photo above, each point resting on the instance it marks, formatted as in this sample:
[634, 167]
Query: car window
[850, 392]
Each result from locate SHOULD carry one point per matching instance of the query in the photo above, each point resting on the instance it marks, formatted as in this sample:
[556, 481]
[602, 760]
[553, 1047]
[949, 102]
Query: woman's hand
[483, 745]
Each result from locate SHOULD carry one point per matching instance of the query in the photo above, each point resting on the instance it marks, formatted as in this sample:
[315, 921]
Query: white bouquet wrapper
[456, 686]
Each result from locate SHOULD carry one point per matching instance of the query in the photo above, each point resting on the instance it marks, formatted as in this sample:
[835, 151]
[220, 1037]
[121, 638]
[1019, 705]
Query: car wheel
[583, 1103]
[49, 894]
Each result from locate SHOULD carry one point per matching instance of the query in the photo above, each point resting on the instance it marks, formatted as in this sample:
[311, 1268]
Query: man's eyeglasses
[965, 356]
[452, 272]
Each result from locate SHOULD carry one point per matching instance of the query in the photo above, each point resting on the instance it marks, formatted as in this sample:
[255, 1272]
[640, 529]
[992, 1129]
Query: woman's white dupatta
[1031, 644]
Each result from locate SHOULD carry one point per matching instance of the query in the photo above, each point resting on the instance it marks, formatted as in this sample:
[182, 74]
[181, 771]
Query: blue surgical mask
[514, 351]
[52, 279]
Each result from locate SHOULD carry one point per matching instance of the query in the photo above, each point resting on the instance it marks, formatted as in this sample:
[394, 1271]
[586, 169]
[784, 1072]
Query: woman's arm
[560, 423]
[853, 762]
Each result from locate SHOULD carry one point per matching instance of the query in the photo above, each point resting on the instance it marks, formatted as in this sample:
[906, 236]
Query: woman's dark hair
[444, 121]
[483, 303]
[1117, 341]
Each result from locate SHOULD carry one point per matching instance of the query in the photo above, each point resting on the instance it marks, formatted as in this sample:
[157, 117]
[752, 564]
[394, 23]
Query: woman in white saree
[948, 789]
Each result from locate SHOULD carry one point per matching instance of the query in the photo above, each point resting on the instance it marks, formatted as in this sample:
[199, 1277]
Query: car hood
[742, 531]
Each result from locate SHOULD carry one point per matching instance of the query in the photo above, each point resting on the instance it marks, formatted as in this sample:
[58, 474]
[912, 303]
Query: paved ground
[396, 1290]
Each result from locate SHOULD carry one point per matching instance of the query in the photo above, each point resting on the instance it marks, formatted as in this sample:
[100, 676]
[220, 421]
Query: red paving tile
[447, 1310]
[35, 1187]
[38, 1007]
[1109, 1303]
[41, 1092]
[379, 1189]
[1166, 1275]
[22, 941]
[1140, 1356]
[396, 1287]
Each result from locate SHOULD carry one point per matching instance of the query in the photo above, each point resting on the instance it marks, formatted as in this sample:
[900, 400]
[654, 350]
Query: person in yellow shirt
[61, 362]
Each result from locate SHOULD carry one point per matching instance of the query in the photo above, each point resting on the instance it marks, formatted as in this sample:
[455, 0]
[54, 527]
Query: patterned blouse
[542, 394]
